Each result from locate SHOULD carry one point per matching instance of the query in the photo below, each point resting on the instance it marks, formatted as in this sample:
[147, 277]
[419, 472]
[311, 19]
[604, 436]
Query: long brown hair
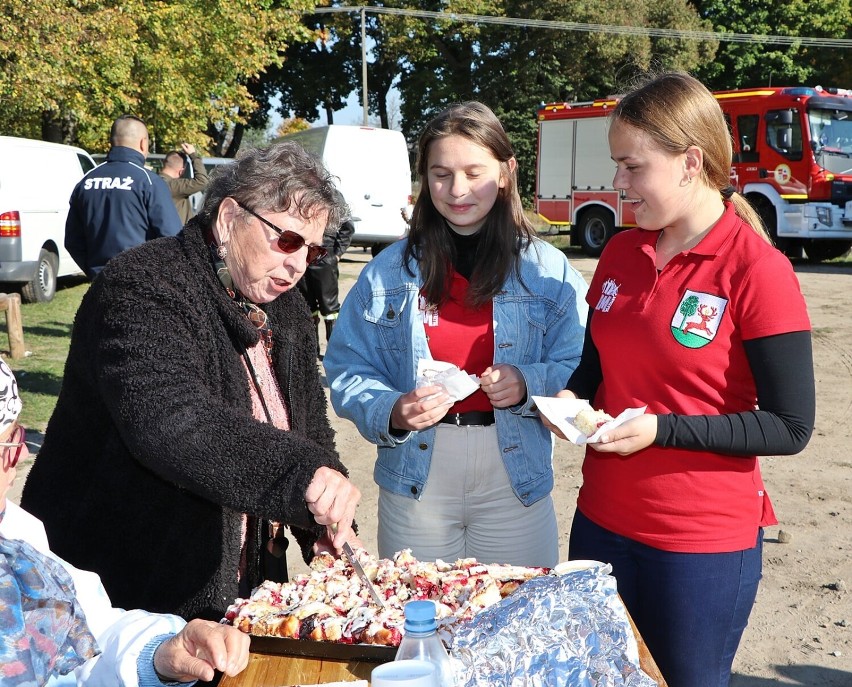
[677, 112]
[505, 231]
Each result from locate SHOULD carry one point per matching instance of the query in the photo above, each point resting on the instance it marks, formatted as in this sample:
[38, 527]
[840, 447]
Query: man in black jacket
[319, 286]
[118, 204]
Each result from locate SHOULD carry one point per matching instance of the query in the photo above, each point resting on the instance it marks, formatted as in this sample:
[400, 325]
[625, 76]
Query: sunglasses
[289, 241]
[12, 449]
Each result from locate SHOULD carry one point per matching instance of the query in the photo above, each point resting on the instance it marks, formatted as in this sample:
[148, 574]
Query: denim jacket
[379, 337]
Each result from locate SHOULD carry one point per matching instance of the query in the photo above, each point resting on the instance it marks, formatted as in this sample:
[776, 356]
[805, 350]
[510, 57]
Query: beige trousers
[468, 508]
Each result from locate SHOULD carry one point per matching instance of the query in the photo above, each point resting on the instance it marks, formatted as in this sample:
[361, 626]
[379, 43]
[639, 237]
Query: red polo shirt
[673, 341]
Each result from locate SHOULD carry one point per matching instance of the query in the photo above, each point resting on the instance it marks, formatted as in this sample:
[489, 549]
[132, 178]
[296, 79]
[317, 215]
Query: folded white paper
[562, 411]
[457, 383]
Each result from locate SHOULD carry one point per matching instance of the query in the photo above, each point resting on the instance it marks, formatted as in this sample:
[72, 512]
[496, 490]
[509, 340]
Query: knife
[359, 570]
[350, 555]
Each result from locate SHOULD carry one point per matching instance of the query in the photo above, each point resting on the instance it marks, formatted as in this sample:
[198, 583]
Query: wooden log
[10, 303]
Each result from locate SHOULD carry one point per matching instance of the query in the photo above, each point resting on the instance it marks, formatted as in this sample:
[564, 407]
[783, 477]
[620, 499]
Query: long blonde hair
[677, 112]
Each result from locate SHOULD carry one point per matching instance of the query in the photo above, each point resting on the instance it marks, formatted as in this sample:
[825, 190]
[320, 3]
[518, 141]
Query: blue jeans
[691, 608]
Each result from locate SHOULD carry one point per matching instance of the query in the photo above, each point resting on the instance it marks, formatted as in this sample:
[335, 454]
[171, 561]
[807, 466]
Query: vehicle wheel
[595, 227]
[42, 288]
[792, 248]
[827, 249]
[377, 248]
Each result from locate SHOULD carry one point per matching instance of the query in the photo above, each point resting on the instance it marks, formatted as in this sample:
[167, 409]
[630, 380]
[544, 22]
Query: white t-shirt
[121, 635]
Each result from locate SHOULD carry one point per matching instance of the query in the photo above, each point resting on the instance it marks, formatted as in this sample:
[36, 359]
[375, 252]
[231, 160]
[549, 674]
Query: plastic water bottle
[421, 640]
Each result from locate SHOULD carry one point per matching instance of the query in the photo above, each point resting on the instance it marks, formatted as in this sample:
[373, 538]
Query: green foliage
[318, 74]
[515, 69]
[743, 65]
[69, 67]
[209, 68]
[56, 70]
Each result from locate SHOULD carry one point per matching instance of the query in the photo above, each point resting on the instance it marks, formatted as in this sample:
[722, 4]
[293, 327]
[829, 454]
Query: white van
[36, 180]
[374, 176]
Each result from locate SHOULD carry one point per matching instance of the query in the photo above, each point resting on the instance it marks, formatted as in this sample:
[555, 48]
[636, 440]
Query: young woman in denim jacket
[473, 286]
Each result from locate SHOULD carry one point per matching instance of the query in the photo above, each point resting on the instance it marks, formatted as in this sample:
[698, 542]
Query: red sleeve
[770, 300]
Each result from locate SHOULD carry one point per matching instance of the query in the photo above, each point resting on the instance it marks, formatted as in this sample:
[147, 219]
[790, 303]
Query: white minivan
[374, 174]
[36, 180]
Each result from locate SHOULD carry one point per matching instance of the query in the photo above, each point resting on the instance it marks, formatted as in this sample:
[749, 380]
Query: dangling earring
[222, 252]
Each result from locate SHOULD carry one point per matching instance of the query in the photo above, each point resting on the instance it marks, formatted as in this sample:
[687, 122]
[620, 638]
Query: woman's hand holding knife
[332, 499]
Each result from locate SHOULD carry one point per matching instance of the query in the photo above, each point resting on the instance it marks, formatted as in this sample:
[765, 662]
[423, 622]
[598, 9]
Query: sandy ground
[800, 631]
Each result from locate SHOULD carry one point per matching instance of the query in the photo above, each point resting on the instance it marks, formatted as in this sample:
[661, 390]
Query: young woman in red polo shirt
[697, 316]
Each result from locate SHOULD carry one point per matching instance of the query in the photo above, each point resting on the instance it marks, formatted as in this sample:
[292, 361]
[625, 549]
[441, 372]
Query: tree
[514, 69]
[688, 308]
[69, 67]
[291, 125]
[58, 79]
[317, 74]
[389, 57]
[191, 82]
[739, 65]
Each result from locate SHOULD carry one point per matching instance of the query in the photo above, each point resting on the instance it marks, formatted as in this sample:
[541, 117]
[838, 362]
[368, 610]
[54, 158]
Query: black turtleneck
[466, 247]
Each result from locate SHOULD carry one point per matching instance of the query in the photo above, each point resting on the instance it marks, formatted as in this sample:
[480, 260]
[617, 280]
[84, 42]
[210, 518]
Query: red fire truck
[792, 159]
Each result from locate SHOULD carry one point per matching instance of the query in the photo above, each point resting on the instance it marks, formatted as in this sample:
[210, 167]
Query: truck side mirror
[780, 117]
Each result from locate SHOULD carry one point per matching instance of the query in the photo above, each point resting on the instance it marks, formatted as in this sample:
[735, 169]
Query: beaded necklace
[252, 311]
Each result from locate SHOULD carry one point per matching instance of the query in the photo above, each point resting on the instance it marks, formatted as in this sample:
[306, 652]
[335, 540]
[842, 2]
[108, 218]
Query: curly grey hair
[274, 179]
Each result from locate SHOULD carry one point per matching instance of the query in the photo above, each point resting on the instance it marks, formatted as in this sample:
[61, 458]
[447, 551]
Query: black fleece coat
[152, 453]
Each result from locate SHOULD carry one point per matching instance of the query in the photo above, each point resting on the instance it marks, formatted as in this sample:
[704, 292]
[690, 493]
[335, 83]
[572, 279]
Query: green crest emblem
[696, 319]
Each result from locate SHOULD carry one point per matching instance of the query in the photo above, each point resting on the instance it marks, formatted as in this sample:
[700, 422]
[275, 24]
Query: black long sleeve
[782, 424]
[586, 379]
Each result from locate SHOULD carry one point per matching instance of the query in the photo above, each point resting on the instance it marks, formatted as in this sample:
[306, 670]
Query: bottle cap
[420, 616]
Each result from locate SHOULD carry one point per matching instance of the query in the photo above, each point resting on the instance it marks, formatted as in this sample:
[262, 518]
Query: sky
[353, 113]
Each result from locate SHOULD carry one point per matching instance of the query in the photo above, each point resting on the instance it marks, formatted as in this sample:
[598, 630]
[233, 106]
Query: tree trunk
[58, 128]
[51, 129]
[236, 140]
[384, 118]
[218, 139]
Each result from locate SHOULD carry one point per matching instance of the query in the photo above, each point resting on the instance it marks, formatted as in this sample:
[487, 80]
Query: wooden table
[268, 670]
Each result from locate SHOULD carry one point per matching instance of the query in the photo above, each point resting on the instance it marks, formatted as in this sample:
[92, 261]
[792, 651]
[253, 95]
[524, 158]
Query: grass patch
[47, 336]
[560, 241]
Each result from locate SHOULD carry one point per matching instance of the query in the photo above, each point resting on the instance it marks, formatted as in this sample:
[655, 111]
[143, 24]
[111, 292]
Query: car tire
[595, 228]
[42, 288]
[377, 248]
[792, 248]
[826, 249]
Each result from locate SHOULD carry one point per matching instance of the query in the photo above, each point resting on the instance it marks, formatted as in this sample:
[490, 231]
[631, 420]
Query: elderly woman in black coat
[191, 414]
